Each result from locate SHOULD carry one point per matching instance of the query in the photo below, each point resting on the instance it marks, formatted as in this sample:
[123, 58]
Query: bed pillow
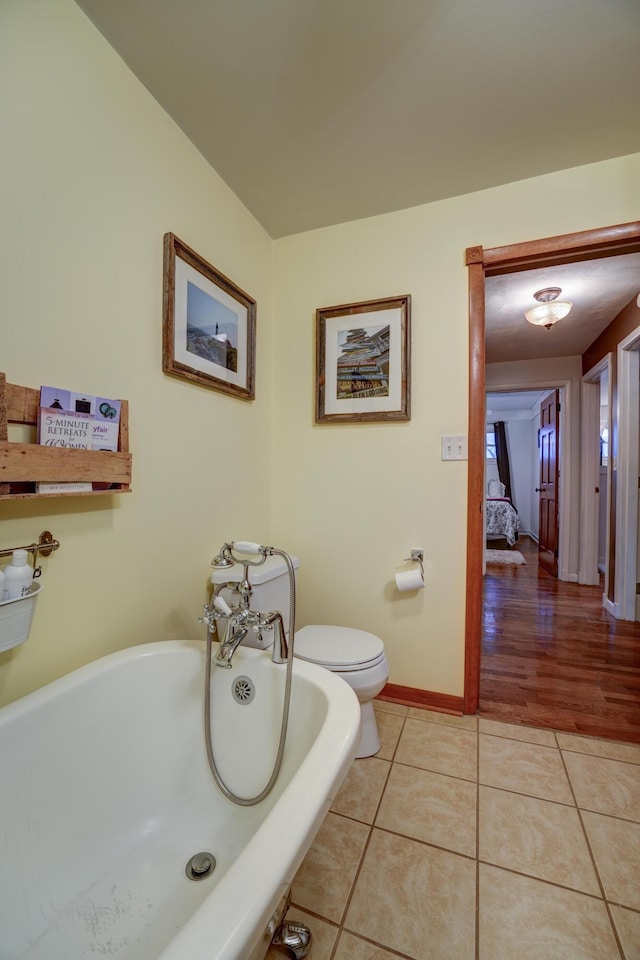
[496, 488]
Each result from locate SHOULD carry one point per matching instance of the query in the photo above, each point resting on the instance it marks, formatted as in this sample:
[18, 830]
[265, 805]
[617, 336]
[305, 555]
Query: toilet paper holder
[417, 556]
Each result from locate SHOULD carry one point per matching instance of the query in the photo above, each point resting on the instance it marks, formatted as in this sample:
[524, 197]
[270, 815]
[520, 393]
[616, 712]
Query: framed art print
[363, 361]
[209, 324]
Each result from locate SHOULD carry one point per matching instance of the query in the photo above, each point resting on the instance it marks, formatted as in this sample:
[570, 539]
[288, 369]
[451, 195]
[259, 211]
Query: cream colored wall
[353, 500]
[93, 174]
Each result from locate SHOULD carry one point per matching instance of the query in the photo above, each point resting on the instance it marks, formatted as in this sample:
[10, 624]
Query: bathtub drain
[200, 865]
[243, 690]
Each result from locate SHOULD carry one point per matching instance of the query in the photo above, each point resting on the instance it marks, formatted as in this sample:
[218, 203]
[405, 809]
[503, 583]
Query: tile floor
[471, 839]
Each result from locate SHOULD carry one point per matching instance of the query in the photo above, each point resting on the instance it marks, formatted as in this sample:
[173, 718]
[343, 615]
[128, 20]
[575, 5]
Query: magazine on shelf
[76, 420]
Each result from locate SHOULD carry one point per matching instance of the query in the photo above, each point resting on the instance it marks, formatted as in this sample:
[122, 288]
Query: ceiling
[598, 290]
[526, 401]
[317, 112]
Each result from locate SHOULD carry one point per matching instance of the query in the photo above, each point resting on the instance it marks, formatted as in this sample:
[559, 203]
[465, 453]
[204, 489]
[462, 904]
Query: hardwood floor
[552, 657]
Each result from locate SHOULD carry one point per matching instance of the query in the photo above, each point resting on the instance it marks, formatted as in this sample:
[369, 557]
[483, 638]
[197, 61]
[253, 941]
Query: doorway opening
[518, 406]
[482, 264]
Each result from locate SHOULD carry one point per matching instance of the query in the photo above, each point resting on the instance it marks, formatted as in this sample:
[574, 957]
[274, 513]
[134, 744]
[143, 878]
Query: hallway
[551, 656]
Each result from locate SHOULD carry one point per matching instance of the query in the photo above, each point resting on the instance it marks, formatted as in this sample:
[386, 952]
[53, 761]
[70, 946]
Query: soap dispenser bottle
[17, 576]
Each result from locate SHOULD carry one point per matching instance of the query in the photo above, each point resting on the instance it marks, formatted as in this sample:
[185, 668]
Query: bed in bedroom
[502, 523]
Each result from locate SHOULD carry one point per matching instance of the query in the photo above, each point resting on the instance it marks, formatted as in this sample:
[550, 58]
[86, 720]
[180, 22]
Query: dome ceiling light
[549, 309]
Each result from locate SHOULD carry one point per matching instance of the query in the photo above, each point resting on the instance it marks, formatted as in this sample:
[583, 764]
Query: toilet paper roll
[410, 580]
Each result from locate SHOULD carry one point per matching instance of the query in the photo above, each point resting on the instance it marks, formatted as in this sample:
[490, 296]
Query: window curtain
[502, 456]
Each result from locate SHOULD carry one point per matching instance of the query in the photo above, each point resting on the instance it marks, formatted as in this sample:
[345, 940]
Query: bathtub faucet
[229, 646]
[239, 622]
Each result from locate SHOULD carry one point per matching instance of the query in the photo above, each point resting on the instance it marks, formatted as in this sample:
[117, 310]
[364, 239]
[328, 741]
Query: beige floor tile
[430, 807]
[438, 747]
[353, 948]
[449, 719]
[389, 727]
[526, 919]
[524, 768]
[599, 748]
[616, 848]
[385, 706]
[536, 837]
[414, 899]
[628, 926]
[605, 786]
[324, 880]
[360, 793]
[323, 935]
[515, 731]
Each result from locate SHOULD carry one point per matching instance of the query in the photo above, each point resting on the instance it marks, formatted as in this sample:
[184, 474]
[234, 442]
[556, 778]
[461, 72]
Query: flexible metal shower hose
[229, 794]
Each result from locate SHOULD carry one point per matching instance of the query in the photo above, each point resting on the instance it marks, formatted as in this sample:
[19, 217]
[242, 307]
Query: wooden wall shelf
[23, 464]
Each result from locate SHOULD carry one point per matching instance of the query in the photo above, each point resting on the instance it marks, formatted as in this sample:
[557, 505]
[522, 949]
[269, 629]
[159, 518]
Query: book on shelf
[78, 421]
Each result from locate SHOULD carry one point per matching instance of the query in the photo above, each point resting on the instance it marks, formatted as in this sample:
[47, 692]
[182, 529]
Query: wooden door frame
[550, 251]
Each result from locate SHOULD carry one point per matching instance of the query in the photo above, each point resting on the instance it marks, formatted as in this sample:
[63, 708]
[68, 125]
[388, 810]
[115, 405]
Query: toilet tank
[269, 589]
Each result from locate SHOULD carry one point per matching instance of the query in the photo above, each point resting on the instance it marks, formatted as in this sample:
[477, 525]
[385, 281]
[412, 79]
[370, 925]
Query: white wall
[93, 174]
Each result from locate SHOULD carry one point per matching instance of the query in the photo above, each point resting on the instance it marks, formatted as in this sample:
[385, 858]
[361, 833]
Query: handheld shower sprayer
[227, 556]
[247, 546]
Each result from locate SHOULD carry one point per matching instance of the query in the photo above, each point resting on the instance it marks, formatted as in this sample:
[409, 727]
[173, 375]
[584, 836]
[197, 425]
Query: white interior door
[627, 462]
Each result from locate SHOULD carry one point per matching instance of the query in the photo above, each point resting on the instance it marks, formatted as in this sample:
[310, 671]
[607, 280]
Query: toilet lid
[338, 647]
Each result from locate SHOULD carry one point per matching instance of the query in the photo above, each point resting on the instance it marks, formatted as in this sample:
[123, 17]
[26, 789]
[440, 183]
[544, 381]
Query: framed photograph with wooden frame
[363, 361]
[209, 324]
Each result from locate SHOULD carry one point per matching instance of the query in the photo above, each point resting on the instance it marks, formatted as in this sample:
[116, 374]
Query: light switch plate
[455, 448]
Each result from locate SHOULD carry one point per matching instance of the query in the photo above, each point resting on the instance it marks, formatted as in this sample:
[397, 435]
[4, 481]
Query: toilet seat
[342, 649]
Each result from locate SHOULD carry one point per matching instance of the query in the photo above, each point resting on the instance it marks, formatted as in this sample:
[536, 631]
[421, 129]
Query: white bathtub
[105, 794]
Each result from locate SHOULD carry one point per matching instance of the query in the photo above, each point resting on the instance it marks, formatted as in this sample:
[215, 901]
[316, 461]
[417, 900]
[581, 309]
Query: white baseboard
[609, 606]
[567, 577]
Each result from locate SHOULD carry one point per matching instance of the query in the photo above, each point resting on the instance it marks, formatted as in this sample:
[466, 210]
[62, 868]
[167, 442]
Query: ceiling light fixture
[550, 309]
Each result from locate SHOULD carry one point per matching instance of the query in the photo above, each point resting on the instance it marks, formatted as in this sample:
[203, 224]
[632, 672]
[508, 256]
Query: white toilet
[359, 658]
[355, 655]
